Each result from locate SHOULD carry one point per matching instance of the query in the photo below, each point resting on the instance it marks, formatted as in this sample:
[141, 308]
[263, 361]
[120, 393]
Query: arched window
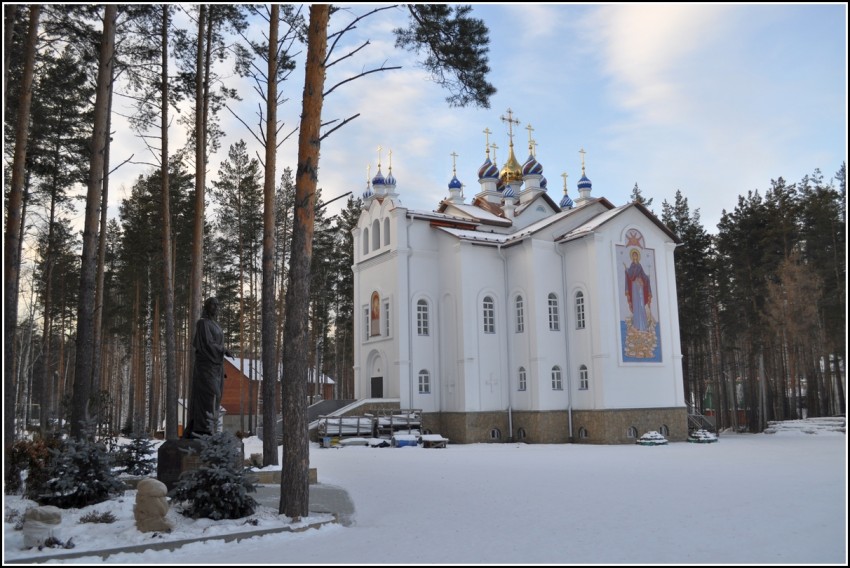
[495, 434]
[387, 231]
[557, 381]
[366, 241]
[554, 320]
[422, 324]
[582, 378]
[582, 433]
[424, 382]
[520, 315]
[520, 434]
[664, 430]
[632, 432]
[523, 383]
[579, 310]
[489, 315]
[376, 235]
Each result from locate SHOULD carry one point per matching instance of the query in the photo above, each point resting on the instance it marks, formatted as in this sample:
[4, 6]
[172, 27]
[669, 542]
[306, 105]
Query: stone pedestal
[174, 458]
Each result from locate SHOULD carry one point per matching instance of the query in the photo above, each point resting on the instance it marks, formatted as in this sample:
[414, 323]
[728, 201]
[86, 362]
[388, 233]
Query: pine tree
[219, 488]
[80, 473]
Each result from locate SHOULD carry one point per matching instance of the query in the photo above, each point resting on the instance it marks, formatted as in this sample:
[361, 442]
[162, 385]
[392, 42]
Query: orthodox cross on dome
[530, 139]
[487, 134]
[379, 157]
[391, 159]
[368, 175]
[493, 145]
[454, 163]
[532, 146]
[511, 121]
[565, 176]
[582, 152]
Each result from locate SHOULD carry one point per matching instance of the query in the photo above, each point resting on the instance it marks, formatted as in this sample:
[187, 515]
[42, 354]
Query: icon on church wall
[640, 336]
[375, 314]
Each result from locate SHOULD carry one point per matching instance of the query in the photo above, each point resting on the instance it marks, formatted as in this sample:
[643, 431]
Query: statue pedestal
[174, 458]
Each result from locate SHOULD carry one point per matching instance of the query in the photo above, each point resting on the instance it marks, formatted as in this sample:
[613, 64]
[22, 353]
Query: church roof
[542, 195]
[603, 218]
[257, 366]
[474, 212]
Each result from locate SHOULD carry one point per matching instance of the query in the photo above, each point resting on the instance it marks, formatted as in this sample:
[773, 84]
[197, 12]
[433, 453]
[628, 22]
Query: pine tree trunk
[196, 279]
[10, 13]
[85, 309]
[101, 256]
[167, 263]
[269, 321]
[295, 490]
[12, 261]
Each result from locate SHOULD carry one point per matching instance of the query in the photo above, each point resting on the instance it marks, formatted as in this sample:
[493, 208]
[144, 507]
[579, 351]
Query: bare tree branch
[340, 125]
[363, 74]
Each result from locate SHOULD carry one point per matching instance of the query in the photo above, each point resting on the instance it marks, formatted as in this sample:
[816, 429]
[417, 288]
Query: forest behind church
[762, 296]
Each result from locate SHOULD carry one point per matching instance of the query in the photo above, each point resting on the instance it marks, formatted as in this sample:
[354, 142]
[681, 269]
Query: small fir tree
[79, 474]
[136, 457]
[219, 488]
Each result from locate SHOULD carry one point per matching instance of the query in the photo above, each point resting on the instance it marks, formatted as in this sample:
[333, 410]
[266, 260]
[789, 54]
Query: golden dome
[511, 171]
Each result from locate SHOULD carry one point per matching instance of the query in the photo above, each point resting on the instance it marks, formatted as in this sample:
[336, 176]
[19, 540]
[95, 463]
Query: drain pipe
[567, 306]
[507, 341]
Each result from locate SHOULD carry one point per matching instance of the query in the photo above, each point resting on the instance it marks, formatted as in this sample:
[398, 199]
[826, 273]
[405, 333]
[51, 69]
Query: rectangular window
[424, 382]
[582, 378]
[579, 310]
[422, 317]
[520, 315]
[365, 323]
[554, 324]
[522, 379]
[387, 317]
[489, 315]
[557, 383]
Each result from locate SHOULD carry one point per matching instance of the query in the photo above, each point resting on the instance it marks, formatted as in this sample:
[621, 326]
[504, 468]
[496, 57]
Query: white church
[513, 316]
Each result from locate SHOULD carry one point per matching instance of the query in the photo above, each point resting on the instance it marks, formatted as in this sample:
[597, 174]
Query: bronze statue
[207, 374]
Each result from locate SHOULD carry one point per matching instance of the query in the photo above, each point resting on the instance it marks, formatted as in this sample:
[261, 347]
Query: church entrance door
[377, 387]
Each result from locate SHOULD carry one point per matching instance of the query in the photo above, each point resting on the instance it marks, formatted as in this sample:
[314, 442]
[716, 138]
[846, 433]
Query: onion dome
[500, 185]
[390, 179]
[368, 193]
[566, 202]
[543, 182]
[379, 178]
[584, 183]
[532, 166]
[509, 193]
[511, 171]
[488, 170]
[455, 184]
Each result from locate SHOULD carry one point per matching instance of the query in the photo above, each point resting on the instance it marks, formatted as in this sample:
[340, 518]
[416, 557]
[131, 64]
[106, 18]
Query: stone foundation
[552, 427]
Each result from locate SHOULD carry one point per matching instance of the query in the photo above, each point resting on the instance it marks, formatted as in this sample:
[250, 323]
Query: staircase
[697, 421]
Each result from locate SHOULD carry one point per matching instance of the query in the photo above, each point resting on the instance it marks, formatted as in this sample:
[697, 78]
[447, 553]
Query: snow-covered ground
[750, 498]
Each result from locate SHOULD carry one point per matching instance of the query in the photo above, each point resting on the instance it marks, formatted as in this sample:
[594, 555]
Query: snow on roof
[478, 236]
[591, 225]
[258, 370]
[480, 213]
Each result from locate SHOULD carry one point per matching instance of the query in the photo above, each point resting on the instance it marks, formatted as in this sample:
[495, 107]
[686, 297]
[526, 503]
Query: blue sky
[714, 100]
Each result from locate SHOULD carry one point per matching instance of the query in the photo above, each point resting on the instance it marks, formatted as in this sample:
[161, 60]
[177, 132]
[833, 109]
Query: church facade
[515, 317]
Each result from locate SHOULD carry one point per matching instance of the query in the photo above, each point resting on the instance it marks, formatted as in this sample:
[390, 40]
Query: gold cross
[454, 163]
[368, 174]
[582, 152]
[487, 134]
[564, 175]
[530, 139]
[532, 147]
[379, 157]
[511, 121]
[493, 145]
[391, 160]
